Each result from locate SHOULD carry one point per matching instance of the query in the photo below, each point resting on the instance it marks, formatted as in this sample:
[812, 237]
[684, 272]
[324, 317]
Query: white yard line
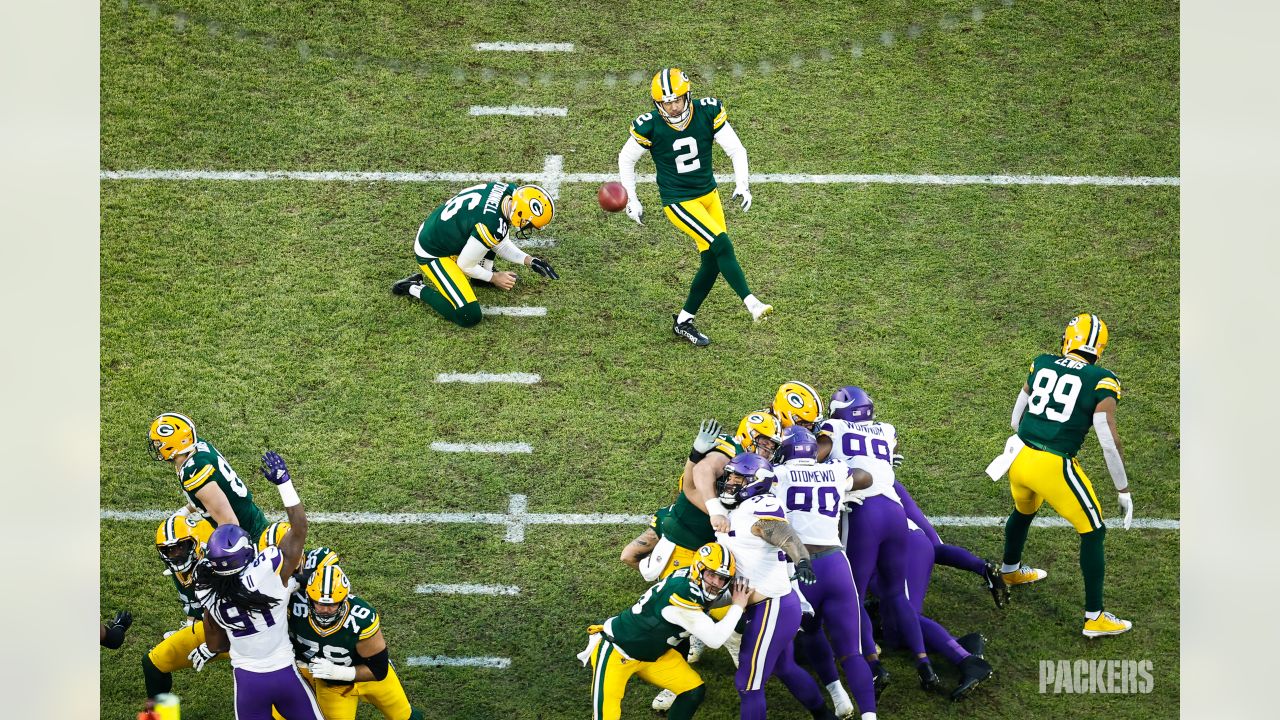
[522, 47]
[501, 448]
[435, 589]
[513, 310]
[519, 110]
[557, 178]
[520, 378]
[497, 663]
[553, 174]
[517, 517]
[538, 243]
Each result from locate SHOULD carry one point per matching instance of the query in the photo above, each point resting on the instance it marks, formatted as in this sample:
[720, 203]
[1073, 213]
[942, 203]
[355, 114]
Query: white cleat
[841, 700]
[696, 648]
[662, 702]
[733, 646]
[759, 313]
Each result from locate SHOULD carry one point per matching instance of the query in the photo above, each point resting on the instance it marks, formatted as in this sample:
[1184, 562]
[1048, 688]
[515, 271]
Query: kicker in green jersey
[682, 158]
[1065, 392]
[475, 211]
[207, 465]
[642, 632]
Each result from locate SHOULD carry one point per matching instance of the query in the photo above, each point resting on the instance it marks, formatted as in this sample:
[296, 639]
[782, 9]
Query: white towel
[1001, 464]
[585, 655]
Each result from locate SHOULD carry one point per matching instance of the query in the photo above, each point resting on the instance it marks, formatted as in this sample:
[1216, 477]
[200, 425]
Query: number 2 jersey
[682, 158]
[866, 445]
[760, 562]
[206, 465]
[1065, 392]
[259, 640]
[812, 493]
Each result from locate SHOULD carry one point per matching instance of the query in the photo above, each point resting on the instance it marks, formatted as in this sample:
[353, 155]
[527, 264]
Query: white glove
[635, 210]
[1126, 504]
[326, 670]
[201, 655]
[708, 432]
[854, 497]
[742, 191]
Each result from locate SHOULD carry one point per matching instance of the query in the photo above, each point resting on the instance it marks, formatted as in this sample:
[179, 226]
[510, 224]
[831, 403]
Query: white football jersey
[259, 641]
[868, 446]
[812, 492]
[763, 564]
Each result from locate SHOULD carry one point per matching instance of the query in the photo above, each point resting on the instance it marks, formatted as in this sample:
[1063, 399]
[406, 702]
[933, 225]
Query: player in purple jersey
[875, 531]
[965, 653]
[245, 595]
[812, 493]
[952, 555]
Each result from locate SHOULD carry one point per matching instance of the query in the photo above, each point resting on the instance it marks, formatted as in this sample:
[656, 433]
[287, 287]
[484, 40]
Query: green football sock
[729, 267]
[683, 707]
[1093, 565]
[465, 316]
[703, 281]
[156, 681]
[1015, 536]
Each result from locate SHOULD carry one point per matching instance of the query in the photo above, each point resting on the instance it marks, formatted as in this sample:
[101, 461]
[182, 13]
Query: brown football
[612, 196]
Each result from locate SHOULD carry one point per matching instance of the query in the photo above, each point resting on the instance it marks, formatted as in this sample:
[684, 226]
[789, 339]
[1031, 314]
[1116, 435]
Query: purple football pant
[767, 649]
[257, 692]
[837, 608]
[919, 571]
[876, 538]
[949, 555]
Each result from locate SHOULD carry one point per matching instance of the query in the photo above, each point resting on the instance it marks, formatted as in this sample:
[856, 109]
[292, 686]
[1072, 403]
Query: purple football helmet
[797, 444]
[229, 549]
[758, 474]
[853, 404]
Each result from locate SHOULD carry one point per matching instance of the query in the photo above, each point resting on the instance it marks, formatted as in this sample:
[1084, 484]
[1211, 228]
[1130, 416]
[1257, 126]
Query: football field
[939, 187]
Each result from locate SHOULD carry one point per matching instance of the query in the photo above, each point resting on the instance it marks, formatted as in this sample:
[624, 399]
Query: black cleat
[975, 643]
[687, 331]
[995, 583]
[402, 286]
[973, 670]
[823, 714]
[879, 679]
[929, 680]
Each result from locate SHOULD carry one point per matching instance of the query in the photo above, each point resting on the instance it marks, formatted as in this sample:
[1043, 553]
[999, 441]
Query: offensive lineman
[1063, 395]
[460, 239]
[679, 139]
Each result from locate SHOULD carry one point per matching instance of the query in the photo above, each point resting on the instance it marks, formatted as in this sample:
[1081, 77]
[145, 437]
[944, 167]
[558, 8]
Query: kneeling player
[179, 540]
[339, 636]
[640, 641]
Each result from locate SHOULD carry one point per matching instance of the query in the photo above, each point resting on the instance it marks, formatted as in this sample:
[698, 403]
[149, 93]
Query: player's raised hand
[707, 434]
[742, 192]
[1126, 504]
[635, 210]
[273, 468]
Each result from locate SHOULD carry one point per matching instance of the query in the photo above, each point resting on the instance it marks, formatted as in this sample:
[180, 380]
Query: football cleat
[1086, 333]
[974, 642]
[761, 312]
[663, 701]
[879, 679]
[696, 648]
[1023, 576]
[929, 680]
[401, 287]
[687, 331]
[996, 584]
[844, 708]
[1106, 624]
[973, 670]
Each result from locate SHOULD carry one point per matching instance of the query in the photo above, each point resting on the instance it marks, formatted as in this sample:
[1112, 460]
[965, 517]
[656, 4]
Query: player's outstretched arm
[712, 633]
[275, 471]
[1104, 424]
[630, 154]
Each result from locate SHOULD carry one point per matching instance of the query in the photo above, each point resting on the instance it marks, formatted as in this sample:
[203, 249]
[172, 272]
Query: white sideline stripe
[517, 518]
[502, 448]
[520, 110]
[511, 377]
[782, 178]
[522, 47]
[498, 663]
[513, 310]
[434, 589]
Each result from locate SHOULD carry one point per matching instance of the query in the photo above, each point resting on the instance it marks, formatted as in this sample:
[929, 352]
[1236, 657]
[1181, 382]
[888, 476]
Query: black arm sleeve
[377, 664]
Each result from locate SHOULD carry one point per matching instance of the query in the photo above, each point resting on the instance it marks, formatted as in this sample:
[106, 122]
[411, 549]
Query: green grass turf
[261, 309]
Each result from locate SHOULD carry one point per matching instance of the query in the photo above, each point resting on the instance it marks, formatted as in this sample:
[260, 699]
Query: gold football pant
[1037, 476]
[339, 702]
[700, 218]
[611, 671]
[171, 653]
[453, 296]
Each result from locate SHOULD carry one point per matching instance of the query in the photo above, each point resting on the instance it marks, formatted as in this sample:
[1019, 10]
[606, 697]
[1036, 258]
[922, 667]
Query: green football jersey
[475, 211]
[642, 632]
[186, 585]
[1065, 391]
[207, 465]
[682, 157]
[337, 643]
[682, 522]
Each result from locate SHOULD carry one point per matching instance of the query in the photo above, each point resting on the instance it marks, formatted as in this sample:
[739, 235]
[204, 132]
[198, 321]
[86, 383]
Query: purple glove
[273, 468]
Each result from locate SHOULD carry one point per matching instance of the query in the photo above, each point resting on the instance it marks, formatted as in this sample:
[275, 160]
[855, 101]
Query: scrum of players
[782, 530]
[300, 642]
